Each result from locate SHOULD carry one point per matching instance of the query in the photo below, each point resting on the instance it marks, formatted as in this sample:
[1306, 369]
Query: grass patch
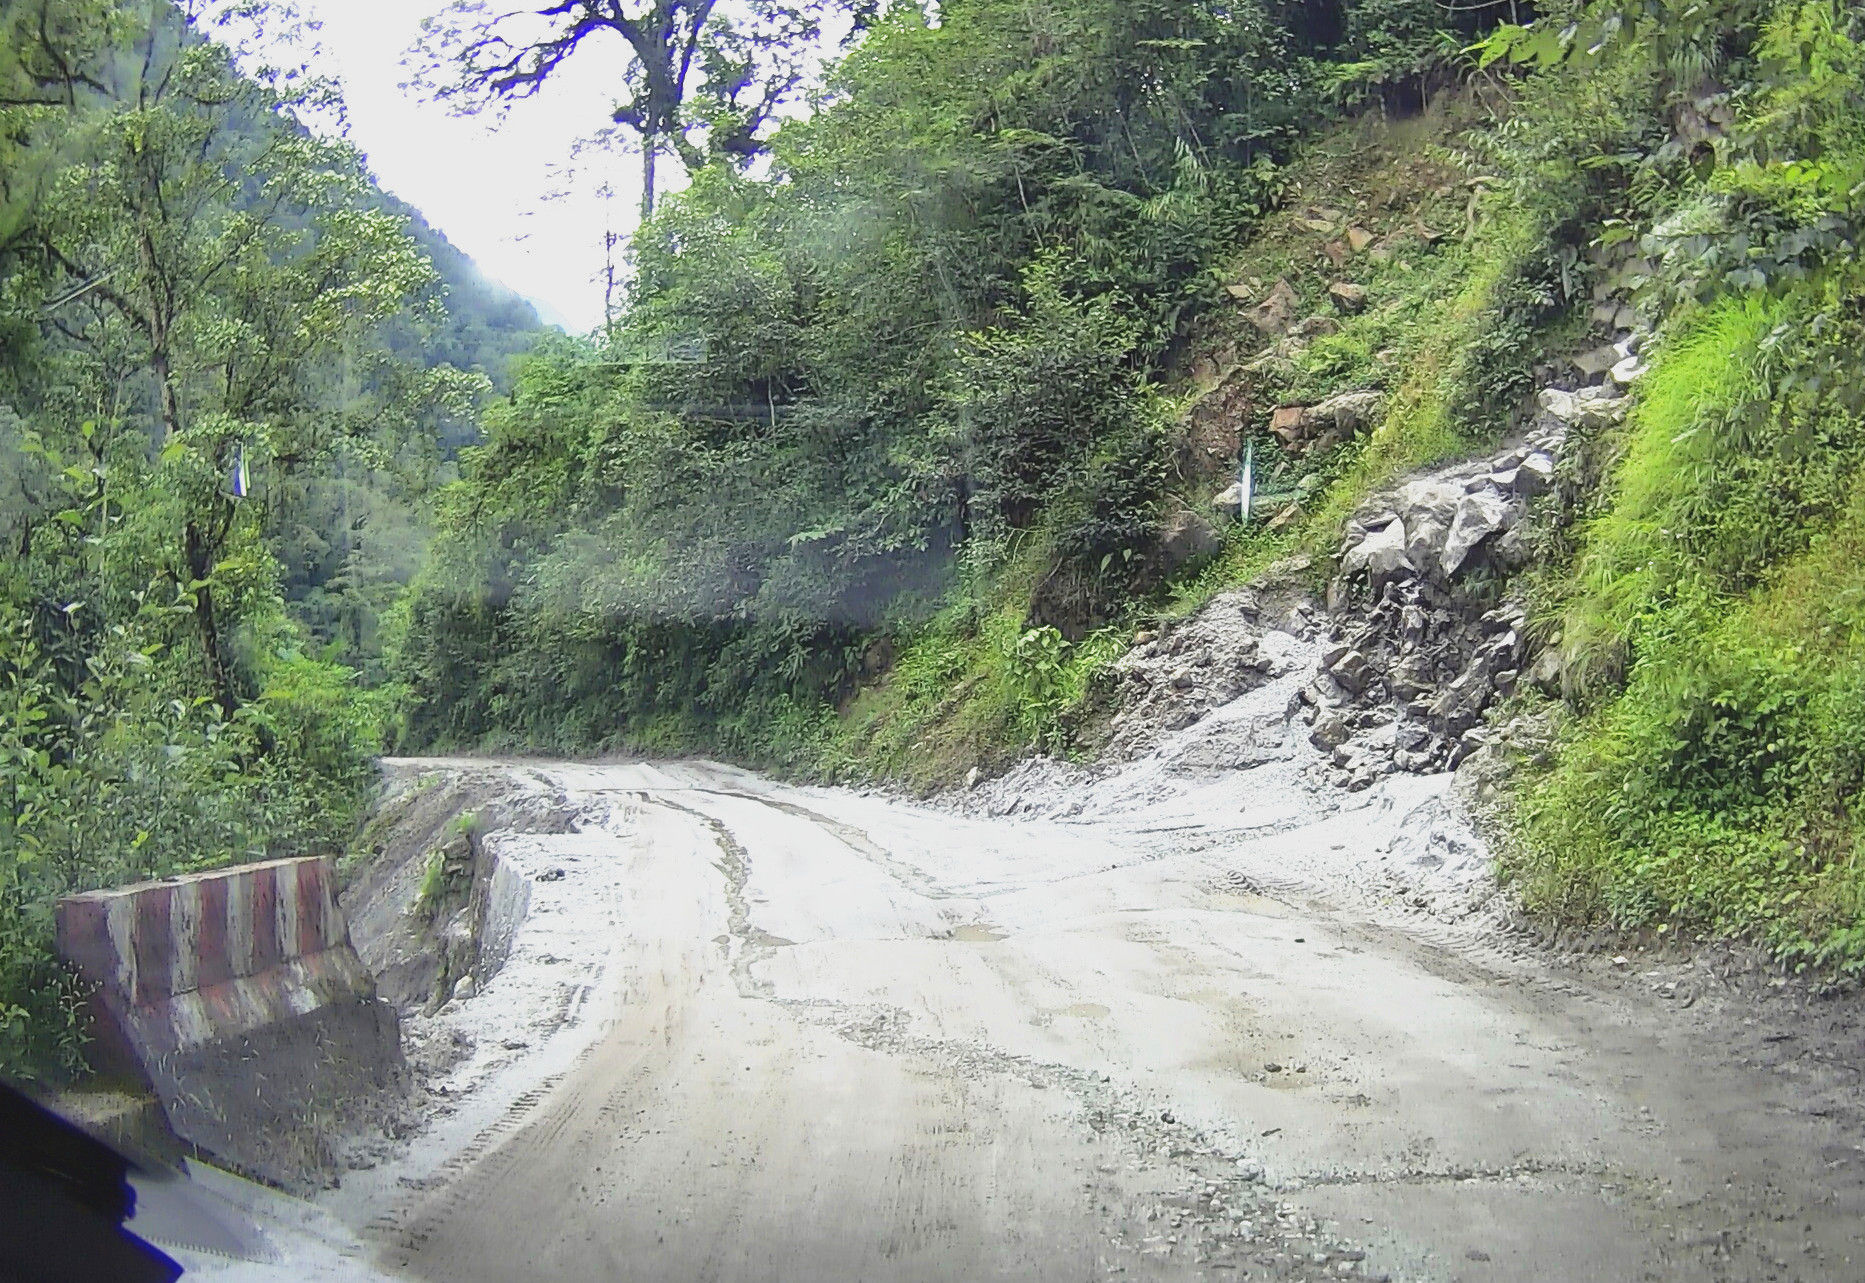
[1471, 331]
[970, 689]
[1714, 623]
[1718, 791]
[448, 869]
[1675, 470]
[1249, 552]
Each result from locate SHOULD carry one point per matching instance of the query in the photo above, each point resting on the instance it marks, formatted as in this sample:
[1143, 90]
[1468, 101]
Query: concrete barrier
[237, 997]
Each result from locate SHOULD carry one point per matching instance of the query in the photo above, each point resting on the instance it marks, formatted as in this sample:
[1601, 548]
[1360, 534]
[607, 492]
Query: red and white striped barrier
[220, 987]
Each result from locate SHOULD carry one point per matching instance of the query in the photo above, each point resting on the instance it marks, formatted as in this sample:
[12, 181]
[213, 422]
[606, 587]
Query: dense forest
[912, 409]
[232, 371]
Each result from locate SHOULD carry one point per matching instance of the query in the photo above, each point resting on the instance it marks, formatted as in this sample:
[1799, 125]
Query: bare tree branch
[680, 50]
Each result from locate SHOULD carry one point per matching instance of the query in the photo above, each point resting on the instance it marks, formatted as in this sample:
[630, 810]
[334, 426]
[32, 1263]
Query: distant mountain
[486, 323]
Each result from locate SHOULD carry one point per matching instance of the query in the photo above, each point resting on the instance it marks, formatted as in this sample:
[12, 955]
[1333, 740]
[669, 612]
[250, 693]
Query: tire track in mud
[1214, 1182]
[1479, 954]
[404, 1229]
[1460, 953]
[566, 1112]
[851, 836]
[1212, 1213]
[1172, 1198]
[562, 1114]
[735, 865]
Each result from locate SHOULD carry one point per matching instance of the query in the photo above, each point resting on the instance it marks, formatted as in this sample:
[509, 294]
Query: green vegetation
[215, 344]
[910, 414]
[447, 873]
[871, 471]
[1710, 620]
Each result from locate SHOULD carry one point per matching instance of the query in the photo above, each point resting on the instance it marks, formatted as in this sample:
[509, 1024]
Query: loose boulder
[1348, 296]
[1590, 407]
[1380, 556]
[1349, 412]
[1322, 427]
[1479, 516]
[1286, 422]
[1535, 475]
[1185, 538]
[1275, 314]
[1596, 362]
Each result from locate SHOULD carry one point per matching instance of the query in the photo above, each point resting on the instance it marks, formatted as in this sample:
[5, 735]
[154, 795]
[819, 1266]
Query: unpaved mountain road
[828, 1036]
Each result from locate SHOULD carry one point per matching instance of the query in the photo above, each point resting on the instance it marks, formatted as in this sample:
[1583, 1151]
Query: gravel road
[749, 1031]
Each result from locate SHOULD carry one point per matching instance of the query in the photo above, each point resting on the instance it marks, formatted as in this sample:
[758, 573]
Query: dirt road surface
[751, 1031]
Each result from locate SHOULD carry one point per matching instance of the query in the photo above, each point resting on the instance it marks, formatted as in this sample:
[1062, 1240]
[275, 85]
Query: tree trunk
[650, 151]
[196, 549]
[200, 557]
[165, 387]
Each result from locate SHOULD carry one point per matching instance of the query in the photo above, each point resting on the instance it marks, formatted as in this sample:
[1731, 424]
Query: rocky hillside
[1543, 350]
[1568, 508]
[1431, 628]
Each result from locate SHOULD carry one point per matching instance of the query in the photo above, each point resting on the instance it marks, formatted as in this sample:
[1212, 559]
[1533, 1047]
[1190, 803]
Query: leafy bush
[1711, 624]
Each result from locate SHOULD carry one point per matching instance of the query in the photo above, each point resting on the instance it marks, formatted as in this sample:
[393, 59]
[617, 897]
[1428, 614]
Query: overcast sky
[486, 182]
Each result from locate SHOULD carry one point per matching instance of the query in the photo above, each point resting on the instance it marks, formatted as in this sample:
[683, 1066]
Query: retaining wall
[237, 997]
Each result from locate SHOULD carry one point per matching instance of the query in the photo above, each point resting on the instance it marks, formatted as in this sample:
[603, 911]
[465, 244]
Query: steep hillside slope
[1543, 355]
[1646, 617]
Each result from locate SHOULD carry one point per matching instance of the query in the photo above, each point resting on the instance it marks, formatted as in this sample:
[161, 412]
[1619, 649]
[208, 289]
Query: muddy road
[755, 1032]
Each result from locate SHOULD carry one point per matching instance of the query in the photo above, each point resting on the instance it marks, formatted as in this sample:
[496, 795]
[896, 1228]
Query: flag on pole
[236, 475]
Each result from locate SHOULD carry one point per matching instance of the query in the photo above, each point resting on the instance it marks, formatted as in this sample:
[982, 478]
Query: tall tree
[723, 71]
[205, 245]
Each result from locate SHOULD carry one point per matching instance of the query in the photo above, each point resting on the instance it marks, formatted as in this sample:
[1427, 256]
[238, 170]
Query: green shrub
[1718, 791]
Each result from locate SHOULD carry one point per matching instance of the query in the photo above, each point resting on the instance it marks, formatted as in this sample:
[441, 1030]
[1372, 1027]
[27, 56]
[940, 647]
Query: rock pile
[1422, 643]
[1170, 680]
[1419, 638]
[1319, 428]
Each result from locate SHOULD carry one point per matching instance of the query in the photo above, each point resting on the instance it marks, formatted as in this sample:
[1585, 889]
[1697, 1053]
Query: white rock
[1478, 517]
[1595, 362]
[1590, 405]
[1629, 371]
[1349, 411]
[1536, 475]
[1426, 539]
[1430, 496]
[1561, 404]
[1381, 555]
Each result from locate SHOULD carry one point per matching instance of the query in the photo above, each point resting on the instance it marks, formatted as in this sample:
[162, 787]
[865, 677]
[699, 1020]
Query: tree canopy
[701, 78]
